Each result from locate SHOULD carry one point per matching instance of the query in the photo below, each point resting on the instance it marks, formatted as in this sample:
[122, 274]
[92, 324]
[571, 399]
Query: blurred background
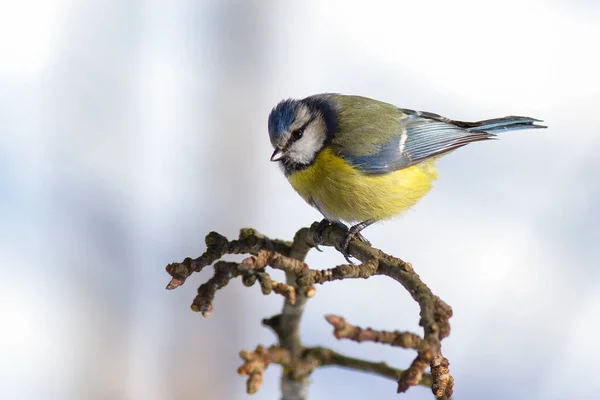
[130, 129]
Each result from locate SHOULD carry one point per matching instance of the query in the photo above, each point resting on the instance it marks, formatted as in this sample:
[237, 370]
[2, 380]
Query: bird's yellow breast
[344, 193]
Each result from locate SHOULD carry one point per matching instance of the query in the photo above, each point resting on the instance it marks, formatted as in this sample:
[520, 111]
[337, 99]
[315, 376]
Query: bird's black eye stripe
[297, 133]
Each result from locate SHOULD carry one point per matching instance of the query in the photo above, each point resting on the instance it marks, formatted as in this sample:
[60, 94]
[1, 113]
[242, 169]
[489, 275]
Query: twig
[327, 357]
[344, 330]
[268, 285]
[217, 245]
[257, 361]
[224, 272]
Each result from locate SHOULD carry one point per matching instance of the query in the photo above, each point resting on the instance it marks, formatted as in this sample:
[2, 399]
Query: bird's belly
[344, 193]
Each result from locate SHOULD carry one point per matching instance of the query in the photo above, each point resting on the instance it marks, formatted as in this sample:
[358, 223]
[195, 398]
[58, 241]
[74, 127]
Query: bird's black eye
[297, 134]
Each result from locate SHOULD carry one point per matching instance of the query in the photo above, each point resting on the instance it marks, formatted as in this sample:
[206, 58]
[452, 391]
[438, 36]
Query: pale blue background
[130, 129]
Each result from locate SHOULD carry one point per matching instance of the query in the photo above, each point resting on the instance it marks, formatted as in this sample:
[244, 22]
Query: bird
[358, 160]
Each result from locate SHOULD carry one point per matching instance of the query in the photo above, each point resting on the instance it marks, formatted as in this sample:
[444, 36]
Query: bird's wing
[381, 140]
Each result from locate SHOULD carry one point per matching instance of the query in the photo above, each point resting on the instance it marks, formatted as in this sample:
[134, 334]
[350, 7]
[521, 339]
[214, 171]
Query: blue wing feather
[425, 135]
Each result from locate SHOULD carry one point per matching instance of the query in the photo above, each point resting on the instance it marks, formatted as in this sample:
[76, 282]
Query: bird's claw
[344, 249]
[353, 233]
[363, 239]
[318, 233]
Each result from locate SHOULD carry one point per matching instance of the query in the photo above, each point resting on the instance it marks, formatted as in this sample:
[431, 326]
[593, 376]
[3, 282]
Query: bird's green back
[364, 125]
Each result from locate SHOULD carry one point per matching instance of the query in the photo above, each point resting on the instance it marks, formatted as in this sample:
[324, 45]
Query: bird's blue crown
[280, 118]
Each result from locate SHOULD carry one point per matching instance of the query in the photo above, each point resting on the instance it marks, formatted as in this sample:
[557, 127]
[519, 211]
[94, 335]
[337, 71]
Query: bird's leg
[354, 232]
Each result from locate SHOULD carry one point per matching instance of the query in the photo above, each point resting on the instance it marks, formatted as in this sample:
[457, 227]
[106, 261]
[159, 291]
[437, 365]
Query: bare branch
[293, 381]
[268, 285]
[434, 312]
[300, 281]
[344, 330]
[217, 245]
[328, 357]
[224, 271]
[257, 361]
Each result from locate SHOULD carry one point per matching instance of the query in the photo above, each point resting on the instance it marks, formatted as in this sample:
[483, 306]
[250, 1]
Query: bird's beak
[277, 155]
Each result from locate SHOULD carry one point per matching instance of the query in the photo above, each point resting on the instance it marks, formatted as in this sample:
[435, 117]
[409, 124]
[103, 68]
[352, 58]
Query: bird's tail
[510, 123]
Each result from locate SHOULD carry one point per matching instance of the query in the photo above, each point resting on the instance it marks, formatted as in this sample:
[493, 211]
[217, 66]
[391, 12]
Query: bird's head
[299, 129]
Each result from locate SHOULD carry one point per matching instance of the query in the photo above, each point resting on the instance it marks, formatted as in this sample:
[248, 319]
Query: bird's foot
[318, 233]
[354, 233]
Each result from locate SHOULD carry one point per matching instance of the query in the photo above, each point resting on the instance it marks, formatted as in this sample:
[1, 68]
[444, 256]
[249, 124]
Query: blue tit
[360, 160]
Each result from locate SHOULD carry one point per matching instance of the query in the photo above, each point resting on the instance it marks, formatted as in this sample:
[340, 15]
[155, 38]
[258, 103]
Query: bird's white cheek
[301, 156]
[306, 149]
